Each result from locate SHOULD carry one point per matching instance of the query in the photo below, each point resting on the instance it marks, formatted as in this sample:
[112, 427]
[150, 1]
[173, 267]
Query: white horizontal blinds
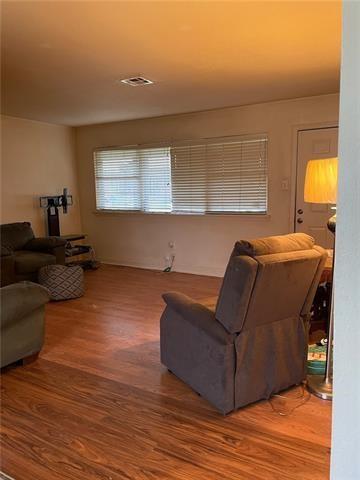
[188, 178]
[237, 177]
[133, 179]
[209, 177]
[155, 179]
[117, 178]
[220, 177]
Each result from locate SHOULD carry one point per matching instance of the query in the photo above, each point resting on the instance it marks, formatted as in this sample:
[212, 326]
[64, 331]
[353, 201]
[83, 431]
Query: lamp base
[320, 387]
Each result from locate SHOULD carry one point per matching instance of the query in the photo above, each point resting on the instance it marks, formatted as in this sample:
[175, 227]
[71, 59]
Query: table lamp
[321, 187]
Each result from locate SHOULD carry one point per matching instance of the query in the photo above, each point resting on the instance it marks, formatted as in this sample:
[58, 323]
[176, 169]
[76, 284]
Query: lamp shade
[321, 181]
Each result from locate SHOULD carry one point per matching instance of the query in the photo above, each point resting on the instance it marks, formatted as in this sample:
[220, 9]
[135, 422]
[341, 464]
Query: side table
[73, 250]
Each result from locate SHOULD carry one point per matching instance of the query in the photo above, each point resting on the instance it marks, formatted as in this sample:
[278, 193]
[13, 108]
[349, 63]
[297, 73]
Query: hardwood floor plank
[98, 404]
[182, 431]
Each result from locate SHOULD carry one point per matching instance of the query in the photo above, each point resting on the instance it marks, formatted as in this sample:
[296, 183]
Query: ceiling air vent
[137, 81]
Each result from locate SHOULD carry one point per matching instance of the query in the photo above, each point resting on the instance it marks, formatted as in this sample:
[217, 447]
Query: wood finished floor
[98, 404]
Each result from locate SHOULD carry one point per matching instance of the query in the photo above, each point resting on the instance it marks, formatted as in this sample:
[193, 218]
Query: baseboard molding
[193, 269]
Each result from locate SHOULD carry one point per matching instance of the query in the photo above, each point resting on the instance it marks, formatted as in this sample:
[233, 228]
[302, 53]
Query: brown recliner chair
[22, 255]
[253, 344]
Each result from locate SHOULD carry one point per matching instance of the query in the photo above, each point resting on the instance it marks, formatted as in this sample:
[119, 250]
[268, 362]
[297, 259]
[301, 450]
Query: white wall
[37, 159]
[203, 243]
[345, 458]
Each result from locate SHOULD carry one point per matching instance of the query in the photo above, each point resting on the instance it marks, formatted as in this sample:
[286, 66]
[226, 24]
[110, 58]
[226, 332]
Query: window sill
[262, 216]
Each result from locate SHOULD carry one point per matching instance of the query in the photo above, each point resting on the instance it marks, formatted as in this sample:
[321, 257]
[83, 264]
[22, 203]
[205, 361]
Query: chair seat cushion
[30, 262]
[63, 283]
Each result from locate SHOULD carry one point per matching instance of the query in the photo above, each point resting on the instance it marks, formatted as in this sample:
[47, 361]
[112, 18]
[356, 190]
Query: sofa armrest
[199, 315]
[19, 299]
[53, 245]
[41, 244]
[7, 266]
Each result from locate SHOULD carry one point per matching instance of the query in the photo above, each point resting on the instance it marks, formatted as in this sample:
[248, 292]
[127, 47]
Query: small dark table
[72, 250]
[74, 236]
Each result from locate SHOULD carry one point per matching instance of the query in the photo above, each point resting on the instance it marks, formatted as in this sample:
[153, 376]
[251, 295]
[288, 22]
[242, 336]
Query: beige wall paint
[37, 159]
[202, 243]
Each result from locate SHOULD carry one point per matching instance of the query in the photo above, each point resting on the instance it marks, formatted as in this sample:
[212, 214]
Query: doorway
[311, 218]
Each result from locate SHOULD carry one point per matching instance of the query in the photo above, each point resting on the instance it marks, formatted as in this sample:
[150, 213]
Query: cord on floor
[303, 398]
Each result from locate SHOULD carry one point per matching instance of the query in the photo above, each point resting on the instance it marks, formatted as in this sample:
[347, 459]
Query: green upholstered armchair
[22, 321]
[22, 255]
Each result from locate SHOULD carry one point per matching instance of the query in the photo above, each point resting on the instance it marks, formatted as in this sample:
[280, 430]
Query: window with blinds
[133, 179]
[208, 177]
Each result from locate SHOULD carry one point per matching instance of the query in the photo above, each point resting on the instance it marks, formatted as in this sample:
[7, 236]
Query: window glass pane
[188, 176]
[137, 179]
[156, 180]
[229, 177]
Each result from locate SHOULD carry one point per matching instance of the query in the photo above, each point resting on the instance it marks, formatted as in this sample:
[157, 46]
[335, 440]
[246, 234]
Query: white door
[312, 218]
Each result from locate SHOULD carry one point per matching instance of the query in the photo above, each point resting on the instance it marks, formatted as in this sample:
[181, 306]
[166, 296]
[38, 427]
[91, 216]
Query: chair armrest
[19, 299]
[41, 244]
[199, 315]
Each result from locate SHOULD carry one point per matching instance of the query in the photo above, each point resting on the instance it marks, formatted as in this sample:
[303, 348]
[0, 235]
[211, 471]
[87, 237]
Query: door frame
[296, 129]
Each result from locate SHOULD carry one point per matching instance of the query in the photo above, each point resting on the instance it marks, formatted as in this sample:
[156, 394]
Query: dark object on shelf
[52, 205]
[75, 250]
[320, 308]
[22, 255]
[331, 224]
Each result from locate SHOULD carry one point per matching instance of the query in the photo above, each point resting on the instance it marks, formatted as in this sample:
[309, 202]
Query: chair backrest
[14, 236]
[269, 279]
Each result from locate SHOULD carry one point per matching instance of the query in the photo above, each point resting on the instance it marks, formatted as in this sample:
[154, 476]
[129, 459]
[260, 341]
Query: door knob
[300, 220]
[300, 212]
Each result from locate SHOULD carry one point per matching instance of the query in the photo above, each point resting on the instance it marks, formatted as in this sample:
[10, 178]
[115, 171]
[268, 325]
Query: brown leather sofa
[22, 255]
[254, 342]
[22, 321]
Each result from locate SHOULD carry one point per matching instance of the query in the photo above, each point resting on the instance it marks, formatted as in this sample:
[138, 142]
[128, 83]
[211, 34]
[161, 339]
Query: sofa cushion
[43, 244]
[271, 245]
[30, 262]
[15, 235]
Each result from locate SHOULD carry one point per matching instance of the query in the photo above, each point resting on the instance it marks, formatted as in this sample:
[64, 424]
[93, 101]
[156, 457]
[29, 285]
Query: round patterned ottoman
[63, 283]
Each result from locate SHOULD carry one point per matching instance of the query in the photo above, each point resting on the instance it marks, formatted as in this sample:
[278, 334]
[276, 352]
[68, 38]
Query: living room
[179, 131]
